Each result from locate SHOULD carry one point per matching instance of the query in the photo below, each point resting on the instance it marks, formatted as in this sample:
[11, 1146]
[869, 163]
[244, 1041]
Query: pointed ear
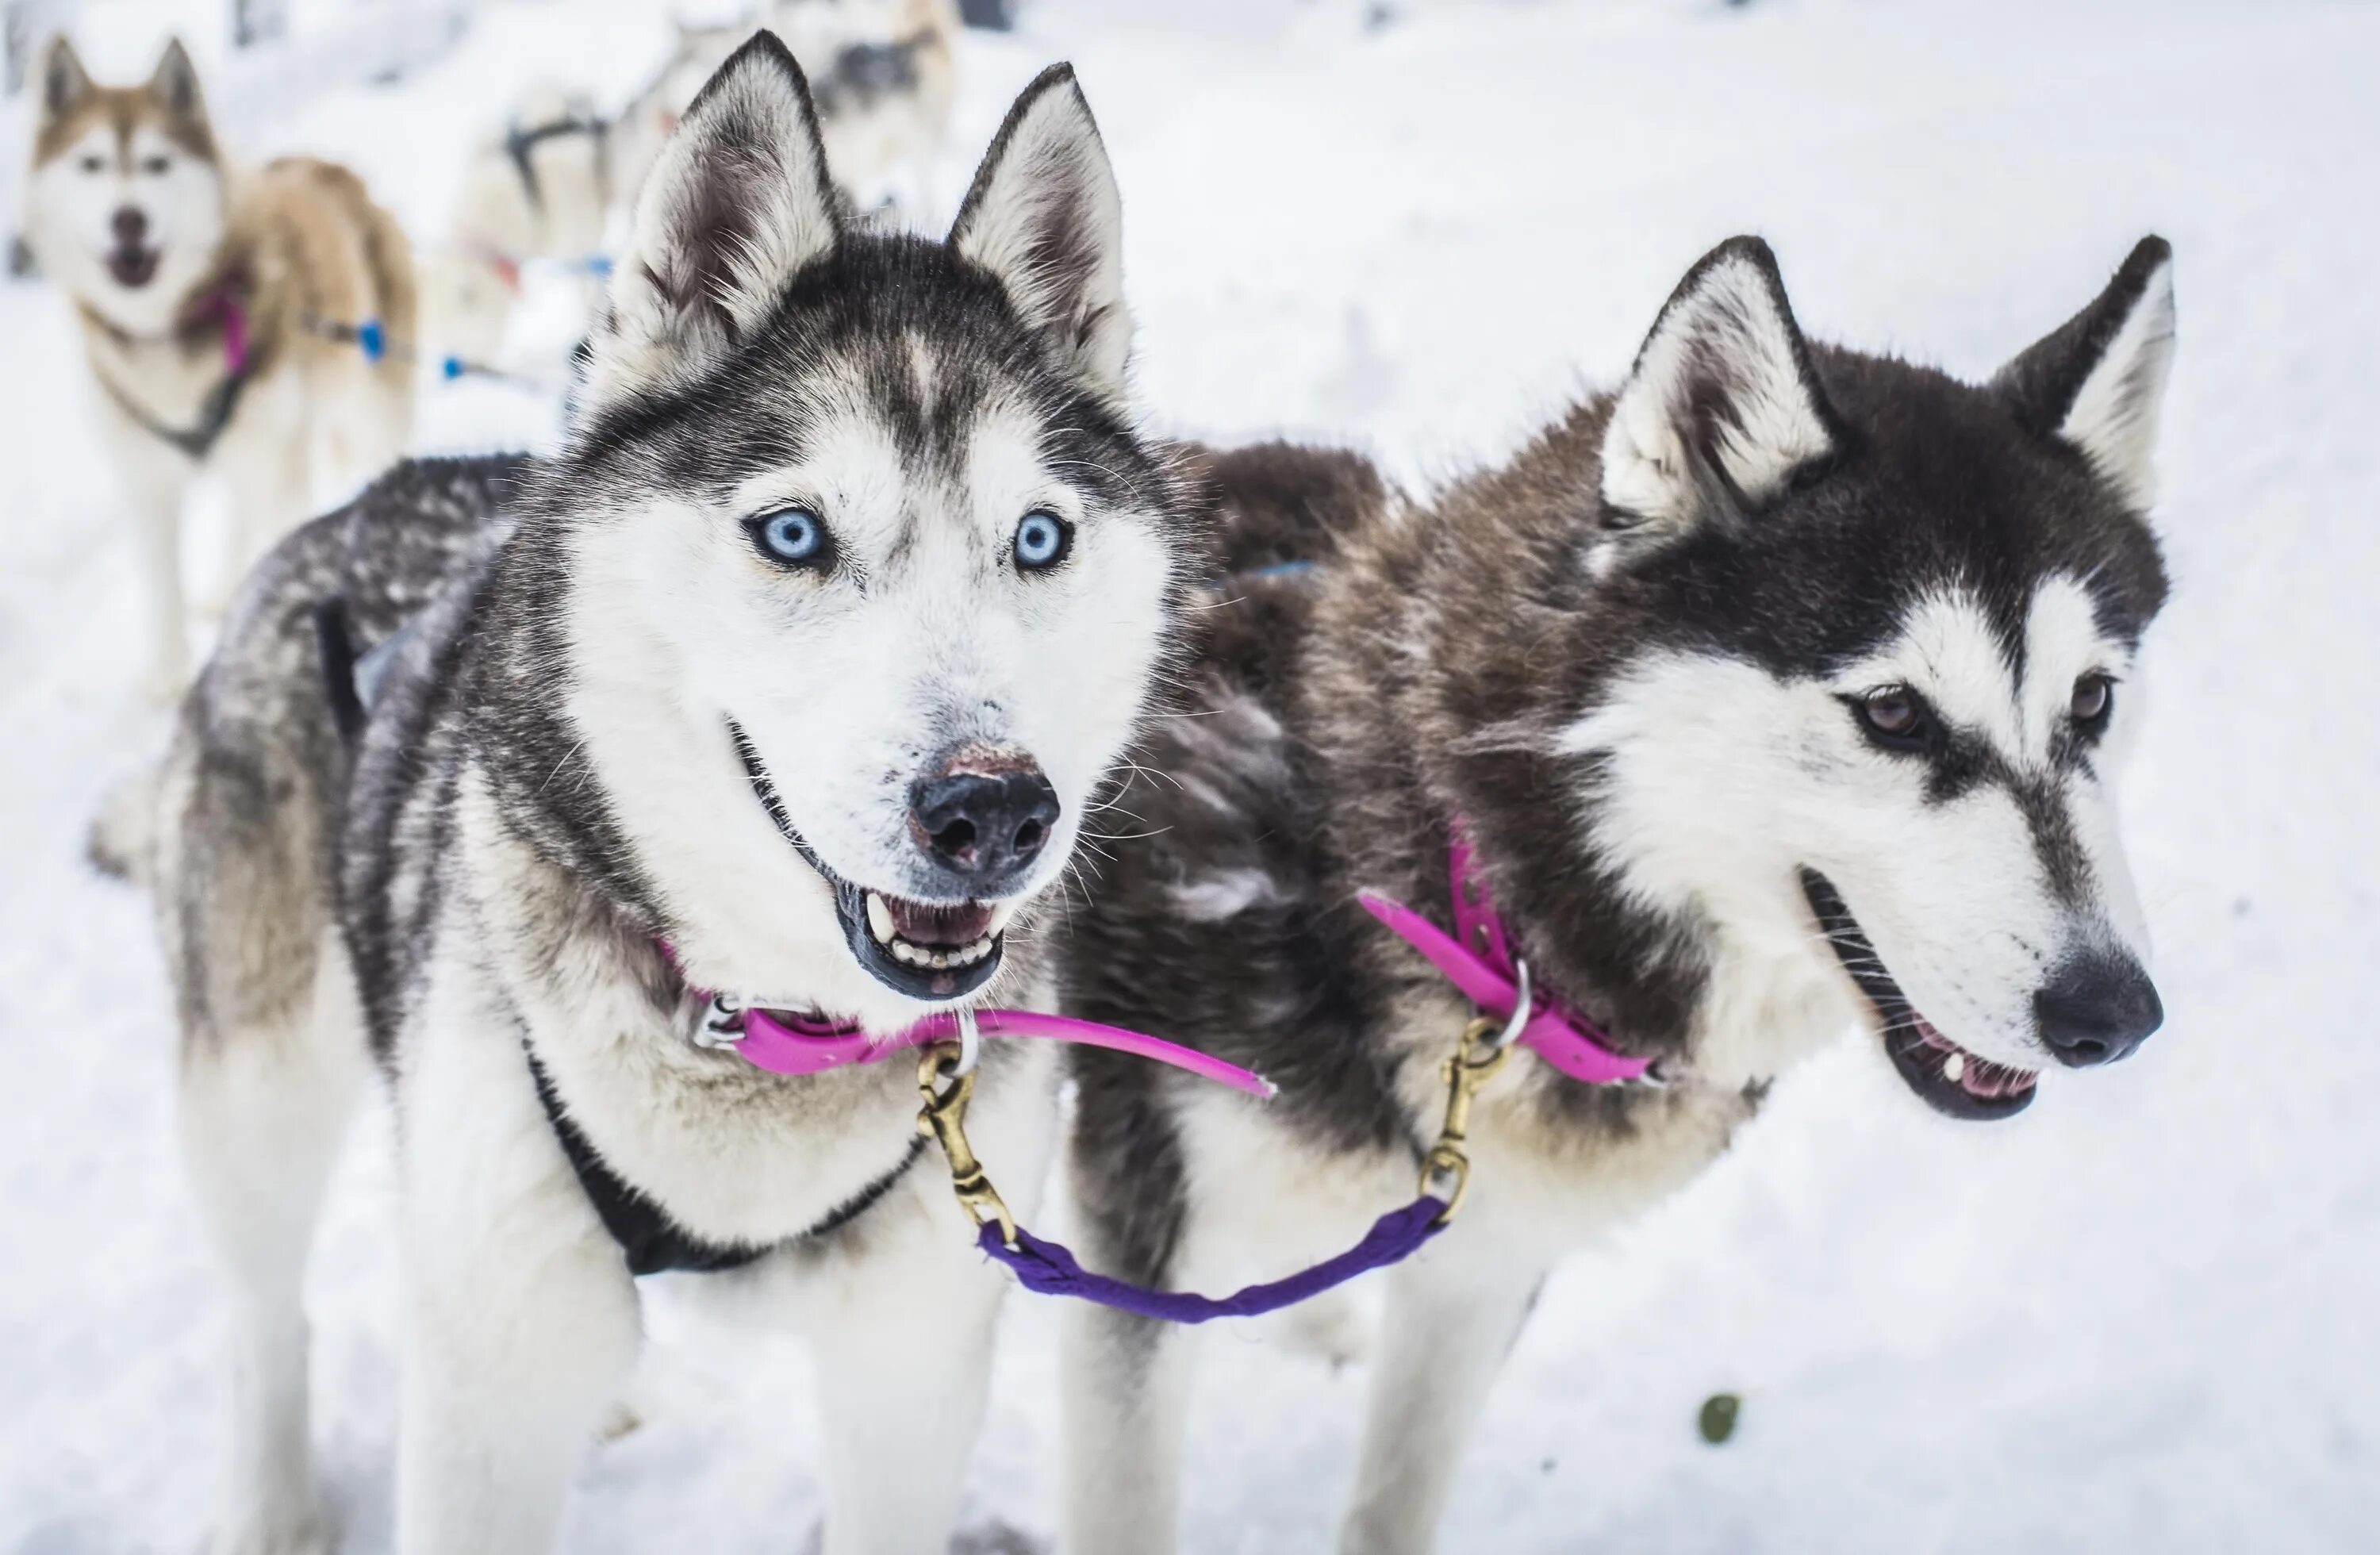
[1045, 219]
[173, 85]
[65, 82]
[1722, 408]
[2098, 380]
[736, 205]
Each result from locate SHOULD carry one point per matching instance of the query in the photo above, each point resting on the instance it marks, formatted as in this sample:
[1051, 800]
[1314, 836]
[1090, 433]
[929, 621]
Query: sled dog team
[635, 813]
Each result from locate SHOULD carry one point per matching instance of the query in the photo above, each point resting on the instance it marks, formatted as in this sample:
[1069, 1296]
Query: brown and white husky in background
[211, 304]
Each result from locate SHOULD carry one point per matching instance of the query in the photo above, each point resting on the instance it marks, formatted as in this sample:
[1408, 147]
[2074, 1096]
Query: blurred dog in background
[219, 312]
[548, 183]
[542, 189]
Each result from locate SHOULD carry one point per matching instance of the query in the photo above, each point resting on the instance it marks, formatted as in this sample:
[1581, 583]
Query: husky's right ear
[65, 82]
[1045, 219]
[737, 203]
[1722, 408]
[2096, 382]
[173, 85]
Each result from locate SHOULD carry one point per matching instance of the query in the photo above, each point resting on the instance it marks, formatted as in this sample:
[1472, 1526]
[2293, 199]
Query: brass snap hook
[943, 1118]
[1446, 1170]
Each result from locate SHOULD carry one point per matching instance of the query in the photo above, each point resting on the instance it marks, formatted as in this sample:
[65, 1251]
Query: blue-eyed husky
[1778, 692]
[793, 676]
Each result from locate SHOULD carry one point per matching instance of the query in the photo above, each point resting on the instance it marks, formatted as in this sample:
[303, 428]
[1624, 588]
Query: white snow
[2140, 1317]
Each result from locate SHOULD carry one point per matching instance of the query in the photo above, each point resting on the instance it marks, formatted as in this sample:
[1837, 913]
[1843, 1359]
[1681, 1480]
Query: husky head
[1859, 673]
[859, 577]
[127, 204]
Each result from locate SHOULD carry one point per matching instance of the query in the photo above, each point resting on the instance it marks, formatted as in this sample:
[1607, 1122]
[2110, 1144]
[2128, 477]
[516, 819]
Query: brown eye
[2094, 695]
[1892, 712]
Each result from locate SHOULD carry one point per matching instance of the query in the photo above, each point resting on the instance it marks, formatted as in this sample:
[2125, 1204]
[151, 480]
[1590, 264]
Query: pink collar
[221, 307]
[785, 1042]
[1478, 961]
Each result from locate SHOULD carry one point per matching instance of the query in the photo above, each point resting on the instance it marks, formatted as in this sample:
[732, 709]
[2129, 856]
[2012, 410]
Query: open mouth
[133, 268]
[1950, 1079]
[925, 950]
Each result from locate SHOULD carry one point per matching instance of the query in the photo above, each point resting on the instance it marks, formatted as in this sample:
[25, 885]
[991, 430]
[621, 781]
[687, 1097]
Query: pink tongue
[1979, 1077]
[921, 924]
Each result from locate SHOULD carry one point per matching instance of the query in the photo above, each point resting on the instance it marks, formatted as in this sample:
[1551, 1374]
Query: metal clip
[970, 1043]
[943, 1118]
[720, 1024]
[1523, 1006]
[1446, 1171]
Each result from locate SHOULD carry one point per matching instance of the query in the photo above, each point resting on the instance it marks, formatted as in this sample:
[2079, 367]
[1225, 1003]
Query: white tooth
[940, 960]
[880, 920]
[1954, 1067]
[902, 951]
[1001, 915]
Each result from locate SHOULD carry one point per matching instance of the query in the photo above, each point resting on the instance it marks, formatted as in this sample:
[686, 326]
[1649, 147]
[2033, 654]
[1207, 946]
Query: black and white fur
[1770, 687]
[598, 671]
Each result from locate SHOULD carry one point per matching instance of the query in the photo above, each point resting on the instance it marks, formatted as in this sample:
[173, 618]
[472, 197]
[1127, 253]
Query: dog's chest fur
[1343, 719]
[477, 912]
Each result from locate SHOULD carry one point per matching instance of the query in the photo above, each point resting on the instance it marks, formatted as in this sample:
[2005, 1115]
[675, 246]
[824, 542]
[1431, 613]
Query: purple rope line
[1047, 1268]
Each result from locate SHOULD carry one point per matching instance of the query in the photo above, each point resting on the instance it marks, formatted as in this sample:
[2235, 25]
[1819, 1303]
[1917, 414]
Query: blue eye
[793, 537]
[1042, 540]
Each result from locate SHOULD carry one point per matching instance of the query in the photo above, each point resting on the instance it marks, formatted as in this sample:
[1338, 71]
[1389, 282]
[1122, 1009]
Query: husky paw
[312, 1533]
[997, 1539]
[624, 1418]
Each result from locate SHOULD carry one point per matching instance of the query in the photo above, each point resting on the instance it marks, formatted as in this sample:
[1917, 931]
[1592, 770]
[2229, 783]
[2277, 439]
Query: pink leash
[785, 1043]
[1479, 962]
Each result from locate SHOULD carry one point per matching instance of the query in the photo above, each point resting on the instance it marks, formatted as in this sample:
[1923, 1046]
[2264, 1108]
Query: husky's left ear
[65, 82]
[1045, 219]
[738, 202]
[2098, 381]
[173, 85]
[1722, 408]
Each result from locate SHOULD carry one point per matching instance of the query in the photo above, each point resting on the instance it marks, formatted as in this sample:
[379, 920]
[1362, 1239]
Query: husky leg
[1126, 1393]
[521, 1319]
[156, 502]
[269, 501]
[262, 1110]
[903, 1353]
[1454, 1311]
[902, 1327]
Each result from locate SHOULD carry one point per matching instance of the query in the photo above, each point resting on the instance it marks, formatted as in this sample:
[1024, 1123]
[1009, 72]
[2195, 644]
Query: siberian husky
[217, 310]
[1780, 691]
[792, 675]
[882, 77]
[883, 74]
[540, 188]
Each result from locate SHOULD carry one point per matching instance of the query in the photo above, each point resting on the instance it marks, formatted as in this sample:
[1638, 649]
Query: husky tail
[123, 839]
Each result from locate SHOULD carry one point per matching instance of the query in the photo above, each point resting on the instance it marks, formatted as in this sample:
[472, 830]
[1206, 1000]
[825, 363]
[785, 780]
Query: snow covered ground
[2141, 1317]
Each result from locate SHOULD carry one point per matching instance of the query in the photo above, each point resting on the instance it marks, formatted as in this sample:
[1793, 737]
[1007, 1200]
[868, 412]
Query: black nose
[2097, 1008]
[130, 227]
[983, 819]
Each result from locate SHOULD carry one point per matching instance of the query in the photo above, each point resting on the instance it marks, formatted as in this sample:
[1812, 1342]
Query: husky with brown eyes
[1775, 694]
